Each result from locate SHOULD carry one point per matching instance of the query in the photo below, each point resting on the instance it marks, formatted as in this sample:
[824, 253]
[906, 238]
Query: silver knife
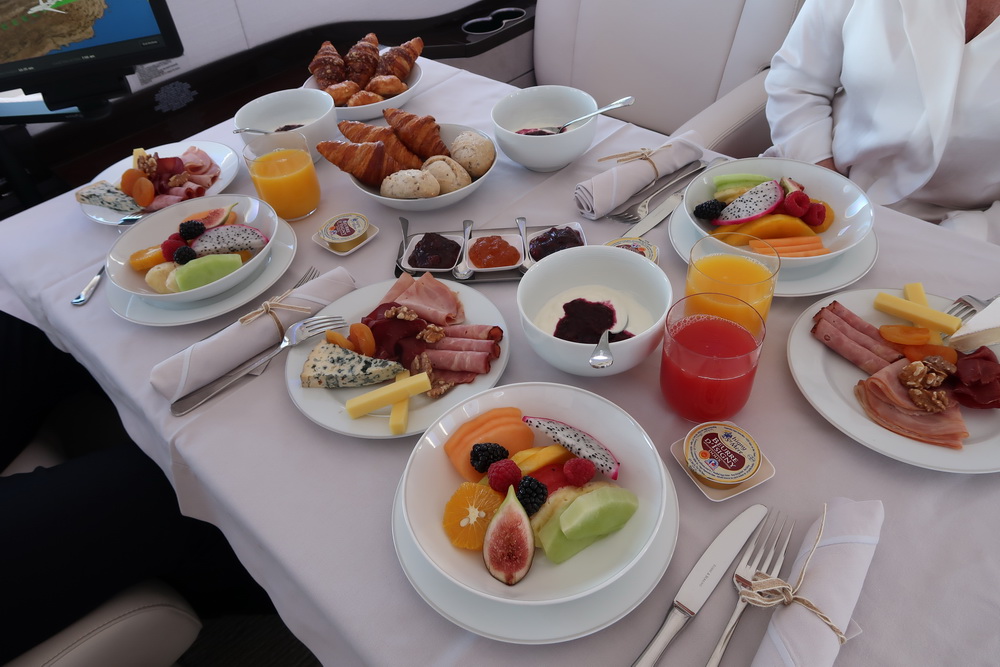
[656, 216]
[702, 580]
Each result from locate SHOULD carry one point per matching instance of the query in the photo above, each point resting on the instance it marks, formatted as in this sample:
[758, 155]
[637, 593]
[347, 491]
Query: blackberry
[191, 229]
[709, 210]
[184, 254]
[485, 453]
[532, 494]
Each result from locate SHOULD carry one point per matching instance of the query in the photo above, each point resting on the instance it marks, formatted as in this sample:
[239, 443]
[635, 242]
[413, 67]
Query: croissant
[369, 162]
[362, 132]
[341, 92]
[386, 85]
[362, 60]
[327, 66]
[363, 97]
[421, 134]
[399, 60]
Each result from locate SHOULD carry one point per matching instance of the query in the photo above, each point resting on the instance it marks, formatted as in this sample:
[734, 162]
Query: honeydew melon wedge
[205, 270]
[598, 513]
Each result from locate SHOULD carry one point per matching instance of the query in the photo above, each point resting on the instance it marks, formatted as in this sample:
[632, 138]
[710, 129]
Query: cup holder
[496, 20]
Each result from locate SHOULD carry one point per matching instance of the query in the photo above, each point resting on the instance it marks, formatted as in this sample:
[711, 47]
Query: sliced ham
[459, 360]
[432, 300]
[163, 201]
[877, 345]
[449, 343]
[455, 377]
[189, 190]
[401, 285]
[886, 402]
[197, 161]
[480, 331]
[845, 346]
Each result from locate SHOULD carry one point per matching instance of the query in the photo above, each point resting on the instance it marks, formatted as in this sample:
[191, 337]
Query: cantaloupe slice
[504, 428]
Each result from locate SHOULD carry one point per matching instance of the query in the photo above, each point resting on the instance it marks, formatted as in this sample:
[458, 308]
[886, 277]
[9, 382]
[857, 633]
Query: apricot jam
[489, 252]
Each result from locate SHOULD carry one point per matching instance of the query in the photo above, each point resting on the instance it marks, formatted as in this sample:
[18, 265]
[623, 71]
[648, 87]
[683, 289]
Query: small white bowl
[448, 133]
[618, 269]
[854, 214]
[544, 106]
[404, 260]
[311, 108]
[513, 239]
[156, 227]
[575, 226]
[373, 111]
[429, 480]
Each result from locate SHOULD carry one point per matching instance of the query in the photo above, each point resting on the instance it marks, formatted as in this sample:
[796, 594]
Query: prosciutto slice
[876, 345]
[459, 360]
[198, 162]
[432, 300]
[841, 343]
[480, 331]
[449, 343]
[886, 402]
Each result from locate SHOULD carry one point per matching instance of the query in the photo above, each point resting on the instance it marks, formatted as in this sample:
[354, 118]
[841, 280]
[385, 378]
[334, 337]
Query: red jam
[553, 240]
[490, 252]
[434, 251]
[584, 322]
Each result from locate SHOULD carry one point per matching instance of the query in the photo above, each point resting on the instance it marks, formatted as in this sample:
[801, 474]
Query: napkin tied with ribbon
[798, 635]
[251, 334]
[633, 171]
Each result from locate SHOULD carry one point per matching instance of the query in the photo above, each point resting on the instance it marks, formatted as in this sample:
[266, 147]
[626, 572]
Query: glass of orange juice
[283, 173]
[728, 266]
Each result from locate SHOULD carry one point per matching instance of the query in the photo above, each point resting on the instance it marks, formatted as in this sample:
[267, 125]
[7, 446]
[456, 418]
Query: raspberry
[709, 210]
[579, 471]
[191, 229]
[532, 494]
[796, 204]
[816, 215]
[176, 236]
[184, 254]
[502, 474]
[170, 246]
[485, 453]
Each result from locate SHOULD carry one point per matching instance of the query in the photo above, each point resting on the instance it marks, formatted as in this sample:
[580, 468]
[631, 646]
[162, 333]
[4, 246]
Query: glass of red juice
[708, 361]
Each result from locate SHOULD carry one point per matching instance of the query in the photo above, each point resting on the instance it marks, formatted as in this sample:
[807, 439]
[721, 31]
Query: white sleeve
[803, 79]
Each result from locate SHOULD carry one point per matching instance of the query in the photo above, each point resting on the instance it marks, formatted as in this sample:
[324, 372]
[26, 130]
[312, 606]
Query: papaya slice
[768, 226]
[500, 425]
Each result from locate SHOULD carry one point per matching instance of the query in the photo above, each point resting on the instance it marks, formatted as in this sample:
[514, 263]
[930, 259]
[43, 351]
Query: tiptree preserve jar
[721, 454]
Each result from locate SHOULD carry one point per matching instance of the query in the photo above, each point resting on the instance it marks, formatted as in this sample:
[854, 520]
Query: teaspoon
[552, 129]
[240, 130]
[84, 296]
[602, 358]
[462, 271]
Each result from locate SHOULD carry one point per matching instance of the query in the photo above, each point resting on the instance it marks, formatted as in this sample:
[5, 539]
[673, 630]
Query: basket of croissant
[365, 81]
[414, 163]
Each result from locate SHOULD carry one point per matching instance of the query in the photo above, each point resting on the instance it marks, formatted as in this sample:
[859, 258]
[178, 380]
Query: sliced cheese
[922, 316]
[915, 292]
[983, 328]
[387, 395]
[400, 413]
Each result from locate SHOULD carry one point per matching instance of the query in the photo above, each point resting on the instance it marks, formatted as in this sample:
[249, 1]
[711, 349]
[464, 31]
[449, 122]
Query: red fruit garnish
[176, 236]
[579, 471]
[815, 215]
[796, 204]
[552, 476]
[170, 246]
[502, 474]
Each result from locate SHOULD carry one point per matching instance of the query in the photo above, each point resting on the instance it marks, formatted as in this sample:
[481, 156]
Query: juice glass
[709, 356]
[728, 266]
[283, 173]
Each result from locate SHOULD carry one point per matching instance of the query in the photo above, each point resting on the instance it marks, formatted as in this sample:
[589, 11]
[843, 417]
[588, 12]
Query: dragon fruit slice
[229, 238]
[752, 204]
[579, 443]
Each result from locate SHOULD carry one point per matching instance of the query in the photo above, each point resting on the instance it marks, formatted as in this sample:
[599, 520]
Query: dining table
[309, 511]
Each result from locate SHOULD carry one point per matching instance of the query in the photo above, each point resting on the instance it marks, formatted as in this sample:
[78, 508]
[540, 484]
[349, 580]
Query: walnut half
[930, 400]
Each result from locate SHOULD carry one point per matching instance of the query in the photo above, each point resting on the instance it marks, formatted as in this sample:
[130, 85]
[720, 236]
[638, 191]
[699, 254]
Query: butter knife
[656, 216]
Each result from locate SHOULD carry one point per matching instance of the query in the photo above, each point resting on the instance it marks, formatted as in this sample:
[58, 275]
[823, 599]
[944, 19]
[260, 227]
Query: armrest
[735, 124]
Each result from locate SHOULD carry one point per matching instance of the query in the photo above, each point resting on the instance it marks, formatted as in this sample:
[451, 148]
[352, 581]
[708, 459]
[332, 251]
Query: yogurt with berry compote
[581, 309]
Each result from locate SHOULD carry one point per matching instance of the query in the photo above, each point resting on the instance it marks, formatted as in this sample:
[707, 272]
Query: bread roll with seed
[474, 152]
[450, 174]
[410, 184]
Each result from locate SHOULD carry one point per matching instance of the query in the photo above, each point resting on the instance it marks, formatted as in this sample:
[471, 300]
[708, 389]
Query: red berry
[552, 477]
[176, 236]
[502, 474]
[579, 471]
[170, 246]
[796, 204]
[816, 215]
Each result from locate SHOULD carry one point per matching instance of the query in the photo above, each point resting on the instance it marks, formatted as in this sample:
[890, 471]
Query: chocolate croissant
[386, 85]
[369, 162]
[327, 67]
[362, 132]
[421, 134]
[399, 60]
[362, 60]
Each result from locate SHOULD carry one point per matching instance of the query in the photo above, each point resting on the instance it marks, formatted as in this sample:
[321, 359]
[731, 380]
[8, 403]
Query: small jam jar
[721, 455]
[636, 245]
[345, 231]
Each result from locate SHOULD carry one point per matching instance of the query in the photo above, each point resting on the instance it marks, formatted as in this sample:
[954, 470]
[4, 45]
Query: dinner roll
[474, 152]
[450, 174]
[410, 184]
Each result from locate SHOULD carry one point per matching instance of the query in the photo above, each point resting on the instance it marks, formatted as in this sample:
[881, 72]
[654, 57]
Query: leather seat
[690, 64]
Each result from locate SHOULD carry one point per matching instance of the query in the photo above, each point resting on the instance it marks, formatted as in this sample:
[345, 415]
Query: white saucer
[829, 276]
[534, 624]
[136, 309]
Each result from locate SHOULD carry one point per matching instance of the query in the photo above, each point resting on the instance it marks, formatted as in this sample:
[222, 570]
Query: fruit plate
[222, 155]
[326, 406]
[548, 624]
[429, 480]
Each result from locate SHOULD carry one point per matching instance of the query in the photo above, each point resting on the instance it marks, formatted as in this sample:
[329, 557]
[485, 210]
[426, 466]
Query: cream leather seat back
[677, 57]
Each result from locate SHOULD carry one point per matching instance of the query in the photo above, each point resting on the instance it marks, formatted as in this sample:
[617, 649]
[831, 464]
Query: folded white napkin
[833, 581]
[598, 196]
[218, 354]
[979, 225]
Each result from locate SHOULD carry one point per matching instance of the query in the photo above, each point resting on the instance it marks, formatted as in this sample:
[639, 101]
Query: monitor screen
[76, 52]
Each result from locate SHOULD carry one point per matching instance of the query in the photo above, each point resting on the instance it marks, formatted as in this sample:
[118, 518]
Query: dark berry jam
[584, 322]
[553, 240]
[434, 251]
[536, 132]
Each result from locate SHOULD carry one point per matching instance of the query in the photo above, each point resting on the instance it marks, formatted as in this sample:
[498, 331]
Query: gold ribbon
[767, 591]
[268, 308]
[641, 154]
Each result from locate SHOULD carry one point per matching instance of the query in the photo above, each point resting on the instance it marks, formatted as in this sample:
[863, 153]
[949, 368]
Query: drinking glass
[283, 173]
[730, 266]
[711, 347]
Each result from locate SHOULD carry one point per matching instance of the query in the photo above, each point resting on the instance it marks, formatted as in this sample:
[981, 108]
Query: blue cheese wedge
[106, 195]
[331, 366]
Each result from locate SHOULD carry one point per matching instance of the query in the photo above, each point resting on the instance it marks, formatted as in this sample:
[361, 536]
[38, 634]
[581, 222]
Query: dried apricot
[363, 339]
[904, 334]
[129, 178]
[143, 191]
[919, 352]
[337, 338]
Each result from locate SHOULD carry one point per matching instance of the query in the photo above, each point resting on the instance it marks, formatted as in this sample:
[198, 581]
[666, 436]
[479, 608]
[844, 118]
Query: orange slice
[147, 258]
[468, 513]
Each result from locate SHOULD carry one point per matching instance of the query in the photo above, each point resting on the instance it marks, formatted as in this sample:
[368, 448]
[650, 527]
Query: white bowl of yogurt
[568, 298]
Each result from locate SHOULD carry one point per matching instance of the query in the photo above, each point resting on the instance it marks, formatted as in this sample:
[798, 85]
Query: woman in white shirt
[902, 96]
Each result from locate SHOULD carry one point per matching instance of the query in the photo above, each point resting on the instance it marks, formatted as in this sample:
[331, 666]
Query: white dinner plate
[224, 156]
[373, 111]
[326, 406]
[135, 309]
[537, 624]
[823, 278]
[827, 381]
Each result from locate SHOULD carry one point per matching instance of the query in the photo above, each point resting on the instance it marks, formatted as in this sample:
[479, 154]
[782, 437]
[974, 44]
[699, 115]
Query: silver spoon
[84, 296]
[462, 271]
[240, 130]
[527, 261]
[623, 102]
[601, 356]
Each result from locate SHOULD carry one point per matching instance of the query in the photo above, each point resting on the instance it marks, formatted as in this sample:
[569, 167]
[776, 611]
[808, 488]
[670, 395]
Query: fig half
[509, 545]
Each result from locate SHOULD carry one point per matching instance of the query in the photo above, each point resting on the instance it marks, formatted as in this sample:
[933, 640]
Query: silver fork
[967, 305]
[749, 565]
[297, 333]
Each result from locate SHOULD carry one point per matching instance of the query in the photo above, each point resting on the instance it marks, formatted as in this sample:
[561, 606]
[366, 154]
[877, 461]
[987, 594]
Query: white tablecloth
[308, 511]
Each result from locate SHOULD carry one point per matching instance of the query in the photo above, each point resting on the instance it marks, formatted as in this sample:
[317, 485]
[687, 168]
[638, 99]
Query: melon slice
[204, 270]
